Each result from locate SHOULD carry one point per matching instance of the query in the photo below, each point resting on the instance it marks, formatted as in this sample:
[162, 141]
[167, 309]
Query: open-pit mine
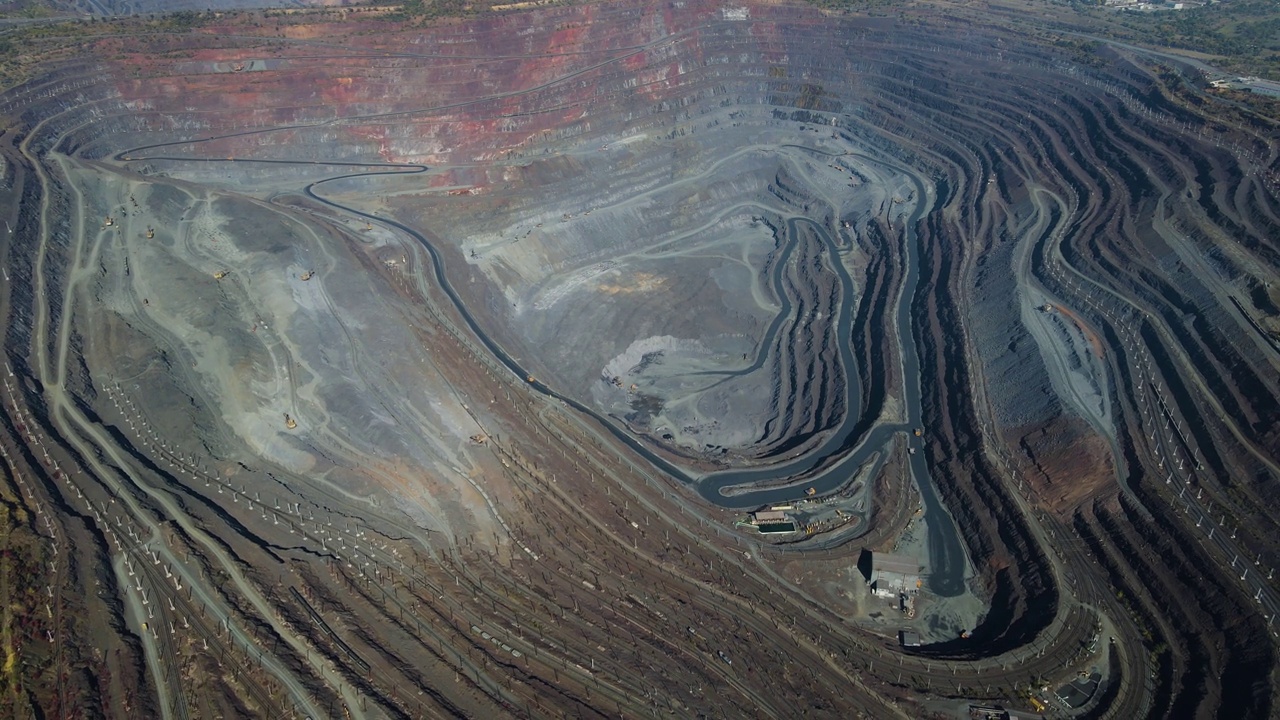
[636, 359]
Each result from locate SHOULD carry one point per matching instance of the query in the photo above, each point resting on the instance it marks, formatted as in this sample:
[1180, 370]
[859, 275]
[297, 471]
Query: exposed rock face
[395, 364]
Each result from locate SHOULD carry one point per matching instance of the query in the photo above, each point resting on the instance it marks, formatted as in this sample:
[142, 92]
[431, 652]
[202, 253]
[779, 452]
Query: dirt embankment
[1010, 562]
[1066, 462]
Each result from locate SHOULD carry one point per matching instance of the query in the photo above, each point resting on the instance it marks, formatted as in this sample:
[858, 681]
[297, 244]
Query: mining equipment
[811, 492]
[724, 657]
[479, 439]
[220, 274]
[368, 226]
[911, 450]
[1038, 704]
[919, 432]
[150, 233]
[531, 379]
[308, 275]
[109, 221]
[289, 422]
[1046, 308]
[239, 67]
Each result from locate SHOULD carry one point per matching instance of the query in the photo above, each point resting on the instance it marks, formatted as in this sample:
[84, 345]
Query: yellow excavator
[290, 422]
[308, 275]
[150, 233]
[220, 274]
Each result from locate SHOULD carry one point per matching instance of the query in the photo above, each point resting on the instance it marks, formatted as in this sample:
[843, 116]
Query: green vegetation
[855, 5]
[180, 21]
[28, 10]
[1245, 27]
[1246, 33]
[23, 47]
[424, 10]
[1243, 35]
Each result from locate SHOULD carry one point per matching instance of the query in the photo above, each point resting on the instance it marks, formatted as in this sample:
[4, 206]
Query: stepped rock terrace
[382, 369]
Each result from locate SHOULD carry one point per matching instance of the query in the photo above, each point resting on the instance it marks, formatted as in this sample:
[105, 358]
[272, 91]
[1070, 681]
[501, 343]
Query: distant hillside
[48, 8]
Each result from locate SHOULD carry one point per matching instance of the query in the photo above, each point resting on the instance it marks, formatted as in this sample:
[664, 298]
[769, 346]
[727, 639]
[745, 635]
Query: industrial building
[774, 521]
[890, 576]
